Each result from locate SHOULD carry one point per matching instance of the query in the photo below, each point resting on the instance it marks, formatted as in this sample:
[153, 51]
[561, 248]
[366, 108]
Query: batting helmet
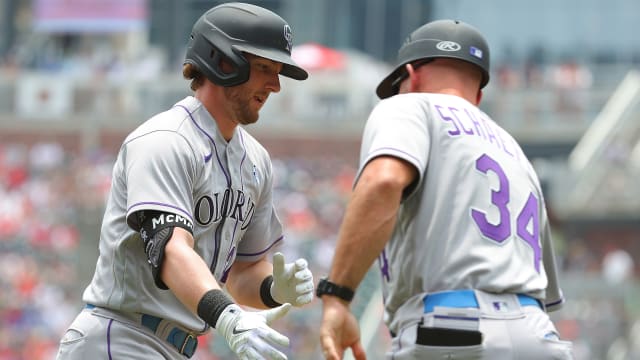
[228, 30]
[439, 39]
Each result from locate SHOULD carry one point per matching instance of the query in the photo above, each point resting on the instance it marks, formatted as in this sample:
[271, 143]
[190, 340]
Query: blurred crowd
[47, 191]
[43, 191]
[569, 81]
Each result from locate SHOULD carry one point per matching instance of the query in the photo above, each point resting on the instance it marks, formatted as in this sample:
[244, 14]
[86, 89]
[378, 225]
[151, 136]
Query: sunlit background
[77, 75]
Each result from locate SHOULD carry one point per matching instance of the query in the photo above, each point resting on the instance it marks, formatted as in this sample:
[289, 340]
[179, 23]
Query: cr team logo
[288, 35]
[448, 46]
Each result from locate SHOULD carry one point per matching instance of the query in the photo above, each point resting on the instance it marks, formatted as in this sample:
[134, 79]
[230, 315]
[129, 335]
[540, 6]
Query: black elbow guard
[156, 231]
[154, 248]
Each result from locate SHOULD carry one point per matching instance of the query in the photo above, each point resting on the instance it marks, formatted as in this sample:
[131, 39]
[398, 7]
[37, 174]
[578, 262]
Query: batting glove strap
[249, 335]
[292, 282]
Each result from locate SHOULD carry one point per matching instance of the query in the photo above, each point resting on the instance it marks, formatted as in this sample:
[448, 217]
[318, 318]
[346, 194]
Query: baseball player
[451, 208]
[191, 211]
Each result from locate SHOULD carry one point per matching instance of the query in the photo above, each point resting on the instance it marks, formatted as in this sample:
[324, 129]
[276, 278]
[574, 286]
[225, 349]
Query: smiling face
[247, 99]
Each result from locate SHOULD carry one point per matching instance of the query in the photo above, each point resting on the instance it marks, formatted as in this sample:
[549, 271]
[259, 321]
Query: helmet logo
[288, 35]
[475, 52]
[448, 46]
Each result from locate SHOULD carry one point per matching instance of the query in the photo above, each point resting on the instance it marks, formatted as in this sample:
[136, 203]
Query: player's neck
[218, 111]
[467, 95]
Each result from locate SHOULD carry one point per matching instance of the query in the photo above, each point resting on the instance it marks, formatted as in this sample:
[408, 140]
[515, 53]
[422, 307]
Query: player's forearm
[367, 227]
[370, 218]
[245, 280]
[356, 253]
[184, 271]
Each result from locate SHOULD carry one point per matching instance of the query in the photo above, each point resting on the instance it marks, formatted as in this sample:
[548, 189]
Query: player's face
[247, 99]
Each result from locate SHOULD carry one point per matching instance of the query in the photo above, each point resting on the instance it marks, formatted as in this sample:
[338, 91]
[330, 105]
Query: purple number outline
[500, 198]
[530, 212]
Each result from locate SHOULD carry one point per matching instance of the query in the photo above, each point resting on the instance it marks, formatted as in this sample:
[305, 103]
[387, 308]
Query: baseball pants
[99, 333]
[500, 327]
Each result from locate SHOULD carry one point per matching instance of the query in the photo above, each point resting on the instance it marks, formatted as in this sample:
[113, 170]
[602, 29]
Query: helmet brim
[384, 89]
[289, 67]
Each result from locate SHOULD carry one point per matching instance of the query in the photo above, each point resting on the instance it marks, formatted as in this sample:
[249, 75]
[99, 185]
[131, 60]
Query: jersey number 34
[500, 199]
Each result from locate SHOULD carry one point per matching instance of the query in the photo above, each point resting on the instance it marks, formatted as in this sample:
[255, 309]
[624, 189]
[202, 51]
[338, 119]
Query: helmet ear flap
[208, 58]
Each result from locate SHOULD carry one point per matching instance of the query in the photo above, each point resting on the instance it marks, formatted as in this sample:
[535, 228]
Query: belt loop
[185, 342]
[189, 346]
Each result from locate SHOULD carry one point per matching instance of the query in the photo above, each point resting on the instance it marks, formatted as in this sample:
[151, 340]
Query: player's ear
[414, 81]
[225, 66]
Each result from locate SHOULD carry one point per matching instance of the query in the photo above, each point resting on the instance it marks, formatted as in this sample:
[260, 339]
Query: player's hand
[339, 330]
[292, 283]
[249, 335]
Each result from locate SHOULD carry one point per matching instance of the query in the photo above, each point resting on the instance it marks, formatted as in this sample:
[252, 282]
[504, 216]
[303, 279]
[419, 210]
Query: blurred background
[77, 75]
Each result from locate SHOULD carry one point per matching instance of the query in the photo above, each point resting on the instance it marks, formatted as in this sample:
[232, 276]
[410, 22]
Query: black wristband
[326, 287]
[212, 304]
[265, 292]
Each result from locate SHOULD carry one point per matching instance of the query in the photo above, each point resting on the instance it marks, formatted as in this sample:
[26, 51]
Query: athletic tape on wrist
[212, 304]
[265, 293]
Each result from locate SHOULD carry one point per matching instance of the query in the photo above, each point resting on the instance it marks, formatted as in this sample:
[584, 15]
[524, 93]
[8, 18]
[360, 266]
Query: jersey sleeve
[265, 231]
[159, 173]
[397, 127]
[554, 299]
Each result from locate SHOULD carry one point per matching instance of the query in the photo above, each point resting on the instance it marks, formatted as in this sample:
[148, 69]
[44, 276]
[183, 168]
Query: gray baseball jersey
[475, 218]
[179, 163]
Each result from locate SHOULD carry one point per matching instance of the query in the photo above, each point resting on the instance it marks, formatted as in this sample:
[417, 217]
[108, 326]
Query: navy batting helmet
[228, 30]
[439, 39]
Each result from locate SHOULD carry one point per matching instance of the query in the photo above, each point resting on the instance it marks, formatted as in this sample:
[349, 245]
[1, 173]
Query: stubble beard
[241, 106]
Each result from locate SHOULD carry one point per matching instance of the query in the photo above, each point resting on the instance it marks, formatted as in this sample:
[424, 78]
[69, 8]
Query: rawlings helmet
[439, 39]
[228, 30]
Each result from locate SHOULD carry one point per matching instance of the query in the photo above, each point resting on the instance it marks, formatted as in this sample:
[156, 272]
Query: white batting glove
[292, 283]
[249, 335]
